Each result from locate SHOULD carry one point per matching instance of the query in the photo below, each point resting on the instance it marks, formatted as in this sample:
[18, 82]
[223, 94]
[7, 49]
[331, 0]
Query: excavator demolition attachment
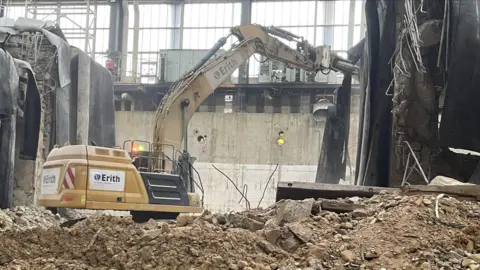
[159, 182]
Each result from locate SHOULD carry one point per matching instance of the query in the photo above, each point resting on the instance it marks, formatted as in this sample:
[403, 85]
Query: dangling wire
[266, 186]
[233, 183]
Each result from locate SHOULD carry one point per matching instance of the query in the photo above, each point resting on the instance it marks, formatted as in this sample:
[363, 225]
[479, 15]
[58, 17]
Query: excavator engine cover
[90, 177]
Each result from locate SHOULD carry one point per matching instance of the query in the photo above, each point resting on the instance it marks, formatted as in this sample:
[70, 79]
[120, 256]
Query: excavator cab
[140, 152]
[100, 178]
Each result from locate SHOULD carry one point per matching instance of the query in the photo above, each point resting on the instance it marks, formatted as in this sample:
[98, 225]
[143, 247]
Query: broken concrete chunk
[48, 267]
[165, 228]
[233, 266]
[475, 257]
[184, 220]
[242, 264]
[302, 232]
[220, 219]
[291, 211]
[253, 225]
[419, 201]
[150, 235]
[347, 225]
[339, 207]
[271, 223]
[217, 259]
[272, 234]
[266, 246]
[146, 253]
[470, 246]
[151, 224]
[316, 207]
[347, 255]
[427, 201]
[425, 266]
[440, 180]
[289, 242]
[474, 266]
[359, 213]
[355, 199]
[468, 262]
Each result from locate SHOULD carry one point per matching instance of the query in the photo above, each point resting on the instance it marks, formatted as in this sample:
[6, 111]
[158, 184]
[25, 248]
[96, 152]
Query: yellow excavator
[155, 180]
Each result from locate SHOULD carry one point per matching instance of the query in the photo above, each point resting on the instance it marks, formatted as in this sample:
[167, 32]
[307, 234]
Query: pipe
[124, 39]
[163, 66]
[210, 53]
[126, 96]
[185, 104]
[136, 30]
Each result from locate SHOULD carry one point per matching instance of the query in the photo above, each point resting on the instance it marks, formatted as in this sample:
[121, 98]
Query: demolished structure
[418, 66]
[51, 94]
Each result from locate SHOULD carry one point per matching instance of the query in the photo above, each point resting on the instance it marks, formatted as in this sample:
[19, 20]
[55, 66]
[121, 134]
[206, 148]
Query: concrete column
[220, 103]
[305, 103]
[62, 115]
[122, 105]
[7, 147]
[240, 102]
[252, 103]
[285, 107]
[268, 107]
[83, 99]
[204, 106]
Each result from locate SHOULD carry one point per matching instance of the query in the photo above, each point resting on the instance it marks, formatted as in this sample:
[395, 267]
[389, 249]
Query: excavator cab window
[140, 152]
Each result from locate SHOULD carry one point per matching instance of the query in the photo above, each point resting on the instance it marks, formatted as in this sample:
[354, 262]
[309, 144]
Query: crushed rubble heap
[387, 231]
[25, 218]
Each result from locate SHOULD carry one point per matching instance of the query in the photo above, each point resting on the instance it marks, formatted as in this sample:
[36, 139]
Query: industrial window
[159, 28]
[204, 24]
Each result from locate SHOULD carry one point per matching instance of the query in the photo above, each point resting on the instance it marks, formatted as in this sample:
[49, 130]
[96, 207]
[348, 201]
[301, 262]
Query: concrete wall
[237, 138]
[242, 145]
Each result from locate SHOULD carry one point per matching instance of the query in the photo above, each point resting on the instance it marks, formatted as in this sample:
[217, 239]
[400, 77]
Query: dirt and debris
[387, 231]
[24, 218]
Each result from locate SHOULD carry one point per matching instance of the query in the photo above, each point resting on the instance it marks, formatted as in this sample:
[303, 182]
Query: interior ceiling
[49, 2]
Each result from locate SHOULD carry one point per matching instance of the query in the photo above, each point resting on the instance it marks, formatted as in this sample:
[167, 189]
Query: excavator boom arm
[188, 93]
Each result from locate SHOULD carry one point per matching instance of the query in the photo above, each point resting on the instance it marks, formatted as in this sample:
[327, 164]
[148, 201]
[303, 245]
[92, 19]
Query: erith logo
[106, 178]
[111, 180]
[227, 68]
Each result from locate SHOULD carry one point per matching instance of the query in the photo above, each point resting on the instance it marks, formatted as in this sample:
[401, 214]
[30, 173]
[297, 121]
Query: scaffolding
[78, 19]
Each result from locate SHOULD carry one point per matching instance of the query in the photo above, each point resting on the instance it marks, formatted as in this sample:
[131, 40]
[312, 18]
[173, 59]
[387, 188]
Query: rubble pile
[24, 218]
[387, 231]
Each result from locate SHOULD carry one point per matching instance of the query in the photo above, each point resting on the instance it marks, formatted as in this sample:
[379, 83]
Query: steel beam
[116, 21]
[2, 8]
[246, 18]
